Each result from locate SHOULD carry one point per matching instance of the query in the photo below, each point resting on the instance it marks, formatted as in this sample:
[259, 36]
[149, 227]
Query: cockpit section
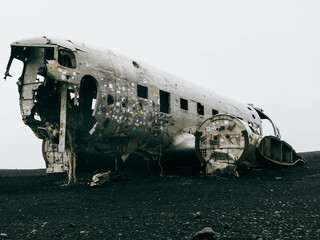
[39, 86]
[49, 88]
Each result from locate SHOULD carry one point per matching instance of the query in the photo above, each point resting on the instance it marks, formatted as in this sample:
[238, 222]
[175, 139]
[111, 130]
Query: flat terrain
[281, 203]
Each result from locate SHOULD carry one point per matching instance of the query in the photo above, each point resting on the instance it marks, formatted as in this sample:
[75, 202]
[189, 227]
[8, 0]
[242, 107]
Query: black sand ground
[280, 203]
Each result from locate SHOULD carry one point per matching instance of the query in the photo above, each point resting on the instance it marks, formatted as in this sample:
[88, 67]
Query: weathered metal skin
[277, 152]
[86, 102]
[226, 138]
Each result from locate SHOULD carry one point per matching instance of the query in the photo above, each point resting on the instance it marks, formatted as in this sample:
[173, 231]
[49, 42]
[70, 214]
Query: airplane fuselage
[96, 102]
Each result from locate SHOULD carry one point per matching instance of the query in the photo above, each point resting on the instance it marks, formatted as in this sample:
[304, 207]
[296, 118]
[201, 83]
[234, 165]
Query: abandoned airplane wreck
[88, 104]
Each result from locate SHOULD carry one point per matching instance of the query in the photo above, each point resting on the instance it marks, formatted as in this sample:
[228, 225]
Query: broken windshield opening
[66, 58]
[16, 68]
[267, 128]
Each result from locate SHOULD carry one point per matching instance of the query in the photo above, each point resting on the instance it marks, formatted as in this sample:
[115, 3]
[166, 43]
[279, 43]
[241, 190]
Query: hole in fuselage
[110, 100]
[135, 64]
[87, 103]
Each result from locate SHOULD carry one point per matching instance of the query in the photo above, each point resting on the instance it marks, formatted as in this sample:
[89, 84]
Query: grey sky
[261, 52]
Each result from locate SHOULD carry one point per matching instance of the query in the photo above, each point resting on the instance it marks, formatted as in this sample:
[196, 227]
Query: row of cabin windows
[142, 92]
[200, 107]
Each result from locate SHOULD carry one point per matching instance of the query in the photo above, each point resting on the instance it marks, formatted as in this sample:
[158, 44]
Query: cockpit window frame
[69, 58]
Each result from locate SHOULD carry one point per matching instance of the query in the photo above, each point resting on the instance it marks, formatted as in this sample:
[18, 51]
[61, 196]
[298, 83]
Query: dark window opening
[66, 59]
[164, 102]
[183, 104]
[214, 112]
[110, 99]
[49, 53]
[142, 91]
[200, 109]
[135, 64]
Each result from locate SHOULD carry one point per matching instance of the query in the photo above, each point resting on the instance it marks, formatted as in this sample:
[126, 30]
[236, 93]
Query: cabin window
[142, 91]
[200, 109]
[183, 104]
[110, 99]
[214, 112]
[66, 58]
[164, 102]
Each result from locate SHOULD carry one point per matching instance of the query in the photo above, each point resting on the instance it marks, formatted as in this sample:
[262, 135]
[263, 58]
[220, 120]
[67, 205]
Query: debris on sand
[197, 215]
[219, 168]
[205, 233]
[100, 178]
[3, 235]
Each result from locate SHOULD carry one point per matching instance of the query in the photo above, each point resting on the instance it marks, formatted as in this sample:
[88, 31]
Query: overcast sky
[261, 52]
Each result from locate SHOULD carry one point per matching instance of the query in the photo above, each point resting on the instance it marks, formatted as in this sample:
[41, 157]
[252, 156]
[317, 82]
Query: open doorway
[87, 103]
[164, 102]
